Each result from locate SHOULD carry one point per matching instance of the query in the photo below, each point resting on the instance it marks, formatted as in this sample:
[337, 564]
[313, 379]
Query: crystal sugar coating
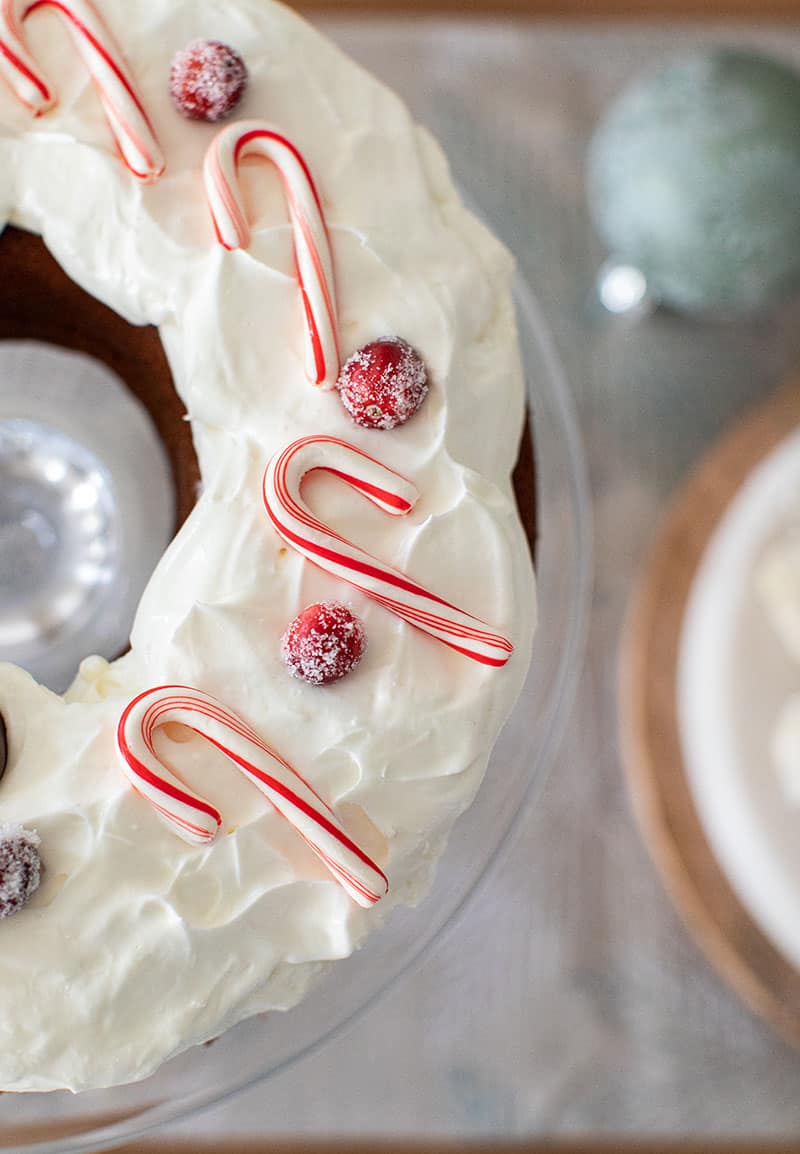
[20, 867]
[323, 643]
[207, 80]
[383, 384]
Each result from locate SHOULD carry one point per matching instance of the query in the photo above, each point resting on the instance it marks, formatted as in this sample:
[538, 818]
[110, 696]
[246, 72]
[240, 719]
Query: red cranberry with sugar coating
[323, 643]
[207, 80]
[383, 384]
[20, 867]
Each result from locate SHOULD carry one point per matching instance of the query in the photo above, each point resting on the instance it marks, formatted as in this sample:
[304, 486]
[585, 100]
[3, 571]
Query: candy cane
[197, 821]
[296, 524]
[311, 243]
[126, 115]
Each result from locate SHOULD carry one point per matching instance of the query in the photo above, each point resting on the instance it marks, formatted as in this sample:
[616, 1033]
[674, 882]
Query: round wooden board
[650, 738]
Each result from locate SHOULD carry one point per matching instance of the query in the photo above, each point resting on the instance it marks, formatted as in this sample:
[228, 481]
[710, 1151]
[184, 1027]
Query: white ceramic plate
[733, 679]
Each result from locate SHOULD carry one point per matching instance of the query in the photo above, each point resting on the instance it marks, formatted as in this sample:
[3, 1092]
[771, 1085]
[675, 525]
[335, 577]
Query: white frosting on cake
[137, 945]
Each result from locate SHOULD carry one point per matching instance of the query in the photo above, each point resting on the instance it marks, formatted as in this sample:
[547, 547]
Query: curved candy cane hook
[311, 243]
[296, 524]
[125, 112]
[197, 821]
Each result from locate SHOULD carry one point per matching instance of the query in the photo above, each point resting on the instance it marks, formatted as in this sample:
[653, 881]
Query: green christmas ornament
[694, 181]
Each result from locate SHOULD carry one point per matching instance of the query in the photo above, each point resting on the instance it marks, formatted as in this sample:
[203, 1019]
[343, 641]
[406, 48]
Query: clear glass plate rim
[562, 700]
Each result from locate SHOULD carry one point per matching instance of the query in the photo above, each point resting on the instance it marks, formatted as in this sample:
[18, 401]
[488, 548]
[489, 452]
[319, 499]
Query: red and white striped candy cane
[123, 107]
[297, 525]
[197, 821]
[311, 244]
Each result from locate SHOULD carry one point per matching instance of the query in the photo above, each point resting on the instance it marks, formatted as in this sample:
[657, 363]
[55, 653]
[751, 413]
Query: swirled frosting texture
[137, 945]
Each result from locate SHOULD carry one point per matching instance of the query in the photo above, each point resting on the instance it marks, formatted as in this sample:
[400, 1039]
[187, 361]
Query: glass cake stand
[256, 1049]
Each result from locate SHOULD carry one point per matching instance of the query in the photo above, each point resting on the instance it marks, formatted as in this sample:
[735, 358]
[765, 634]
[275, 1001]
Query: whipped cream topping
[137, 945]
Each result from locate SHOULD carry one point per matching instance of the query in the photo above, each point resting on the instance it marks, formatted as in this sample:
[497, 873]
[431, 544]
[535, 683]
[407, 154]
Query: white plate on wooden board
[703, 679]
[734, 678]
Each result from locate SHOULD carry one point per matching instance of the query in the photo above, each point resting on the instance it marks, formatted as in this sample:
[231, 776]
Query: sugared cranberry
[383, 384]
[20, 867]
[323, 643]
[207, 79]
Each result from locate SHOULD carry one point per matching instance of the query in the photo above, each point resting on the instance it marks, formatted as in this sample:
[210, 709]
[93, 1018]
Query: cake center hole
[87, 508]
[97, 466]
[58, 539]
